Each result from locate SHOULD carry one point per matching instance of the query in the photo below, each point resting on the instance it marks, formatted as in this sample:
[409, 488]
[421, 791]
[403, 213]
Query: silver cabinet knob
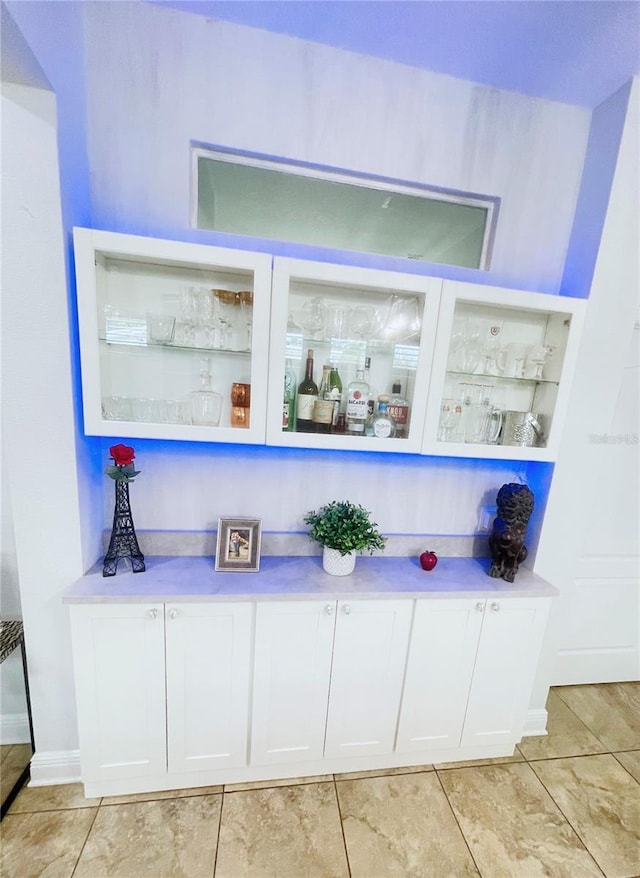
[153, 614]
[495, 607]
[173, 613]
[347, 609]
[329, 609]
[480, 607]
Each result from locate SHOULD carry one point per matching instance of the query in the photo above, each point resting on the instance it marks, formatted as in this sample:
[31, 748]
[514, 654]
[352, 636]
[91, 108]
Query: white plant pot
[336, 564]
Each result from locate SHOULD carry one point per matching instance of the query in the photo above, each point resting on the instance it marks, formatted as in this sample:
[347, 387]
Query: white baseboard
[14, 728]
[535, 723]
[55, 767]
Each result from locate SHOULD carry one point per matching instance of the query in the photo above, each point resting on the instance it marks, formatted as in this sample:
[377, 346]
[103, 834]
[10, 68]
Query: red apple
[428, 560]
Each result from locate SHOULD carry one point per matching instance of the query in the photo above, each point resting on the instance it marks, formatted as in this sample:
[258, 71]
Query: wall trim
[55, 767]
[535, 724]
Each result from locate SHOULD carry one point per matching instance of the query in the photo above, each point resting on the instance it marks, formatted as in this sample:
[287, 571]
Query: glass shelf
[201, 351]
[512, 380]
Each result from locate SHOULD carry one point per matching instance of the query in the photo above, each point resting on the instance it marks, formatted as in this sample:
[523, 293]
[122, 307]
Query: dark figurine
[506, 543]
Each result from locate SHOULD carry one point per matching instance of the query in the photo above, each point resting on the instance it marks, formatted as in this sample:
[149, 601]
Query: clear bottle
[399, 410]
[382, 425]
[335, 394]
[307, 395]
[371, 399]
[205, 403]
[323, 406]
[357, 396]
[289, 398]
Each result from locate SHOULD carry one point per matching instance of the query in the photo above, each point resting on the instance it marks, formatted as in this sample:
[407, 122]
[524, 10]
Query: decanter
[206, 404]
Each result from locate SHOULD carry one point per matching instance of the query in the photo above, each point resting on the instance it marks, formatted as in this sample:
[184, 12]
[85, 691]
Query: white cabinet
[503, 365]
[308, 704]
[166, 329]
[130, 725]
[470, 670]
[349, 317]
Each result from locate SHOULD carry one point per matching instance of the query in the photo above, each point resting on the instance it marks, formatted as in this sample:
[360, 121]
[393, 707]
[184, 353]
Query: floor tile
[161, 794]
[609, 710]
[512, 826]
[284, 832]
[566, 735]
[602, 802]
[631, 761]
[54, 798]
[45, 845]
[383, 772]
[470, 763]
[402, 826]
[171, 838]
[15, 758]
[282, 782]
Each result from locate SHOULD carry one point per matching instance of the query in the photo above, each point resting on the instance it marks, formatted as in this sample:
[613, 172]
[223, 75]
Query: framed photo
[238, 546]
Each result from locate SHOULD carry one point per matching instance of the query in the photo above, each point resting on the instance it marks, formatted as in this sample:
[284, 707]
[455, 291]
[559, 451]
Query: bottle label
[356, 412]
[285, 415]
[323, 411]
[382, 429]
[399, 413]
[305, 407]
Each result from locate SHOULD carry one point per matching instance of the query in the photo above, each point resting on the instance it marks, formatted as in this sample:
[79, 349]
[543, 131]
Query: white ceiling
[574, 51]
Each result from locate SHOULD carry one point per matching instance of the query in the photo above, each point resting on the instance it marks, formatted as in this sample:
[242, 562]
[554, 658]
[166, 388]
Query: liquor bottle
[323, 407]
[289, 398]
[205, 403]
[371, 399]
[307, 395]
[383, 426]
[335, 395]
[399, 411]
[357, 396]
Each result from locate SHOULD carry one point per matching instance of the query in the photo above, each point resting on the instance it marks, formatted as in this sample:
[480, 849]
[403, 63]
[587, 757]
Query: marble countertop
[301, 578]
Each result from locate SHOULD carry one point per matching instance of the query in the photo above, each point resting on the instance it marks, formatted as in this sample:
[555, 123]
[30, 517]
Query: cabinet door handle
[346, 609]
[153, 614]
[173, 613]
[329, 609]
[495, 607]
[480, 607]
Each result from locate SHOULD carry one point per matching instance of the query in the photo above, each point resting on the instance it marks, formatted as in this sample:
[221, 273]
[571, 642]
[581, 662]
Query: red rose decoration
[123, 455]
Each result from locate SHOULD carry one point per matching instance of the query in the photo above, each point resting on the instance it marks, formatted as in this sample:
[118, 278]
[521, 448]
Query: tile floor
[564, 806]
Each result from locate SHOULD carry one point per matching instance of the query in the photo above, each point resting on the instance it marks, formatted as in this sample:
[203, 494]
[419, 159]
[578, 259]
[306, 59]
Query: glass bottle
[383, 425]
[399, 410]
[371, 399]
[323, 406]
[307, 395]
[357, 396]
[289, 398]
[335, 394]
[206, 404]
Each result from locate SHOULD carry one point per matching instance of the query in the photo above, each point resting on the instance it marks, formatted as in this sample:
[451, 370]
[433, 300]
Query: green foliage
[344, 526]
[122, 473]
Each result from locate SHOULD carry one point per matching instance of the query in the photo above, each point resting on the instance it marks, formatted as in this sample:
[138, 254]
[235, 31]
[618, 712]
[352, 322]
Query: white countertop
[180, 578]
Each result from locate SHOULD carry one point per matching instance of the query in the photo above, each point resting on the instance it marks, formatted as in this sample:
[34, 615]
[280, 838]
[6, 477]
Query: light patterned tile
[53, 798]
[631, 761]
[383, 772]
[285, 832]
[473, 763]
[602, 802]
[566, 735]
[279, 782]
[402, 827]
[171, 838]
[161, 794]
[609, 710]
[513, 827]
[43, 845]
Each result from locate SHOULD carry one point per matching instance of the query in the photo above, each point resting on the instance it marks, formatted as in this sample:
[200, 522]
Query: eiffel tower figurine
[123, 543]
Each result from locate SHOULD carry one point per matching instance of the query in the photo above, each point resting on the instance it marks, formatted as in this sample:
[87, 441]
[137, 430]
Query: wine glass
[362, 321]
[536, 358]
[246, 308]
[490, 346]
[469, 352]
[450, 420]
[313, 317]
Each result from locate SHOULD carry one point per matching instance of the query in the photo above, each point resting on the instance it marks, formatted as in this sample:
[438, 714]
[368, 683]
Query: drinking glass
[362, 321]
[160, 328]
[537, 356]
[449, 429]
[490, 346]
[469, 351]
[246, 308]
[313, 317]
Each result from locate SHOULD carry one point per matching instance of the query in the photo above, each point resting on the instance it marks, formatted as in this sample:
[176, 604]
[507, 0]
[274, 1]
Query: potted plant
[343, 528]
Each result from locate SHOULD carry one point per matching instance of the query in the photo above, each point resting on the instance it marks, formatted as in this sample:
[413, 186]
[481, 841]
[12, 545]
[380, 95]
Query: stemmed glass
[362, 321]
[450, 420]
[490, 346]
[246, 307]
[313, 317]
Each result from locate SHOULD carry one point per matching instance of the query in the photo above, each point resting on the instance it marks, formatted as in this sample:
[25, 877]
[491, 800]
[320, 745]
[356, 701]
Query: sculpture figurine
[506, 543]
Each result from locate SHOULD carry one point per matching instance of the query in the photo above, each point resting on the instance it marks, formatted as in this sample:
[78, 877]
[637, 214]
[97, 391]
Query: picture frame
[238, 545]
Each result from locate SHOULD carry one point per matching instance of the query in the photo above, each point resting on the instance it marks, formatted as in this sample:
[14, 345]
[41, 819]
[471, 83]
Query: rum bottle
[357, 396]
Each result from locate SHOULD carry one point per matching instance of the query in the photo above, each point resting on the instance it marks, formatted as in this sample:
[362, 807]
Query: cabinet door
[119, 672]
[208, 665]
[348, 316]
[291, 680]
[502, 372]
[504, 671]
[369, 659]
[166, 329]
[442, 652]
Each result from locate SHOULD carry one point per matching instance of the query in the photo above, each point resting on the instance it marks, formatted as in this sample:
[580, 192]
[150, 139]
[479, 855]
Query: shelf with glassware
[350, 356]
[503, 365]
[167, 341]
